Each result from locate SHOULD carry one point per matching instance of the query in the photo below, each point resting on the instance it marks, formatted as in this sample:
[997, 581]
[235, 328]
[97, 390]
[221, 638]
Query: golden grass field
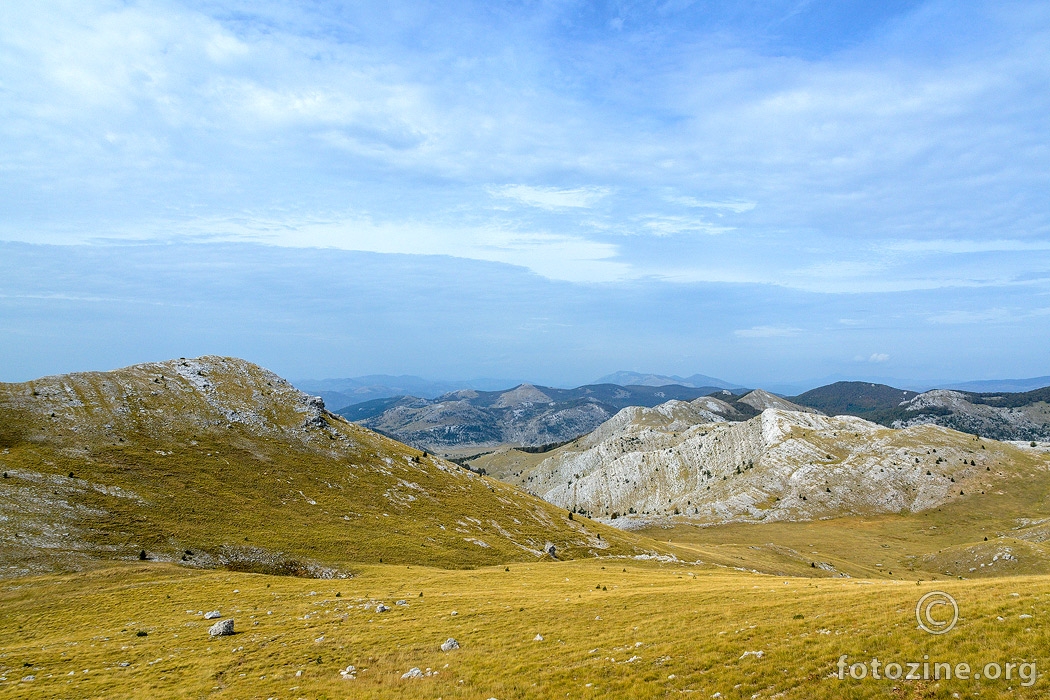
[611, 628]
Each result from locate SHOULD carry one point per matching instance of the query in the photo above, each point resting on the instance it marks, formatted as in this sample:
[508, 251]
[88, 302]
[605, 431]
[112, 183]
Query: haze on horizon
[762, 192]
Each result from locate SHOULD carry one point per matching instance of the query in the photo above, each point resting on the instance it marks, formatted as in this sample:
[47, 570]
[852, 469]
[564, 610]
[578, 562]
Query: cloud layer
[828, 149]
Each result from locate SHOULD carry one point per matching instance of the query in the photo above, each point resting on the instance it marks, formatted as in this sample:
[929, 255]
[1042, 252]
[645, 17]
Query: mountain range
[340, 393]
[466, 422]
[526, 415]
[624, 378]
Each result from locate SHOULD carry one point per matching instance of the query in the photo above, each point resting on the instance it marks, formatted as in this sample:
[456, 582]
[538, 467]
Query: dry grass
[648, 631]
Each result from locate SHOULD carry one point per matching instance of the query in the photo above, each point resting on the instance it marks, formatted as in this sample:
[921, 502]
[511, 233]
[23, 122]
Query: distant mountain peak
[626, 378]
[522, 394]
[760, 400]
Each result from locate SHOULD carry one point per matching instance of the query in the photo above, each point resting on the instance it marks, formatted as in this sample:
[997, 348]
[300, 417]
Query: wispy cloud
[672, 225]
[551, 197]
[767, 332]
[551, 255]
[735, 206]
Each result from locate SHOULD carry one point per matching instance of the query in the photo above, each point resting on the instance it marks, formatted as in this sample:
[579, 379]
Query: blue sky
[551, 191]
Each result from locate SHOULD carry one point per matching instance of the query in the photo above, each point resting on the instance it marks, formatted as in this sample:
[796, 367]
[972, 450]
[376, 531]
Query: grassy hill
[216, 461]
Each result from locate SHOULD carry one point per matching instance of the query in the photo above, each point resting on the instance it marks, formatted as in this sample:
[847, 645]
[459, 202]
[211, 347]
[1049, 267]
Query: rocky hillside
[681, 460]
[216, 461]
[1024, 416]
[999, 416]
[533, 416]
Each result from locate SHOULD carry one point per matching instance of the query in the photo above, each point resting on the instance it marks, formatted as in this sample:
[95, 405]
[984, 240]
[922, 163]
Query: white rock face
[675, 461]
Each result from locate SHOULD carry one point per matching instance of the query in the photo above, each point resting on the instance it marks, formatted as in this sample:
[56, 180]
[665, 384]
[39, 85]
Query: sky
[766, 192]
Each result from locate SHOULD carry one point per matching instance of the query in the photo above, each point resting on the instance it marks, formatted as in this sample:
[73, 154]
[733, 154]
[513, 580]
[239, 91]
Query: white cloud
[878, 357]
[735, 206]
[551, 197]
[767, 332]
[551, 255]
[671, 225]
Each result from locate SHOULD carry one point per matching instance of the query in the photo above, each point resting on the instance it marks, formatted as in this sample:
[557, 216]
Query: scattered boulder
[550, 549]
[349, 673]
[381, 608]
[450, 644]
[401, 602]
[222, 628]
[756, 654]
[413, 672]
[213, 615]
[538, 638]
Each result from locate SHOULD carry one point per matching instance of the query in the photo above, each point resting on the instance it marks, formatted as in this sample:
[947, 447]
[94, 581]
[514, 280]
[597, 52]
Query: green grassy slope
[218, 461]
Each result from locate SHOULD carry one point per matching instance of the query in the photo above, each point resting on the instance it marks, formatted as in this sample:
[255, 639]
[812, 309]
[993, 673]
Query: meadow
[610, 628]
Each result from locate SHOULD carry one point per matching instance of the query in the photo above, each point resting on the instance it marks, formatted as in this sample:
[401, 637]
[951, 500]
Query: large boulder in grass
[222, 628]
